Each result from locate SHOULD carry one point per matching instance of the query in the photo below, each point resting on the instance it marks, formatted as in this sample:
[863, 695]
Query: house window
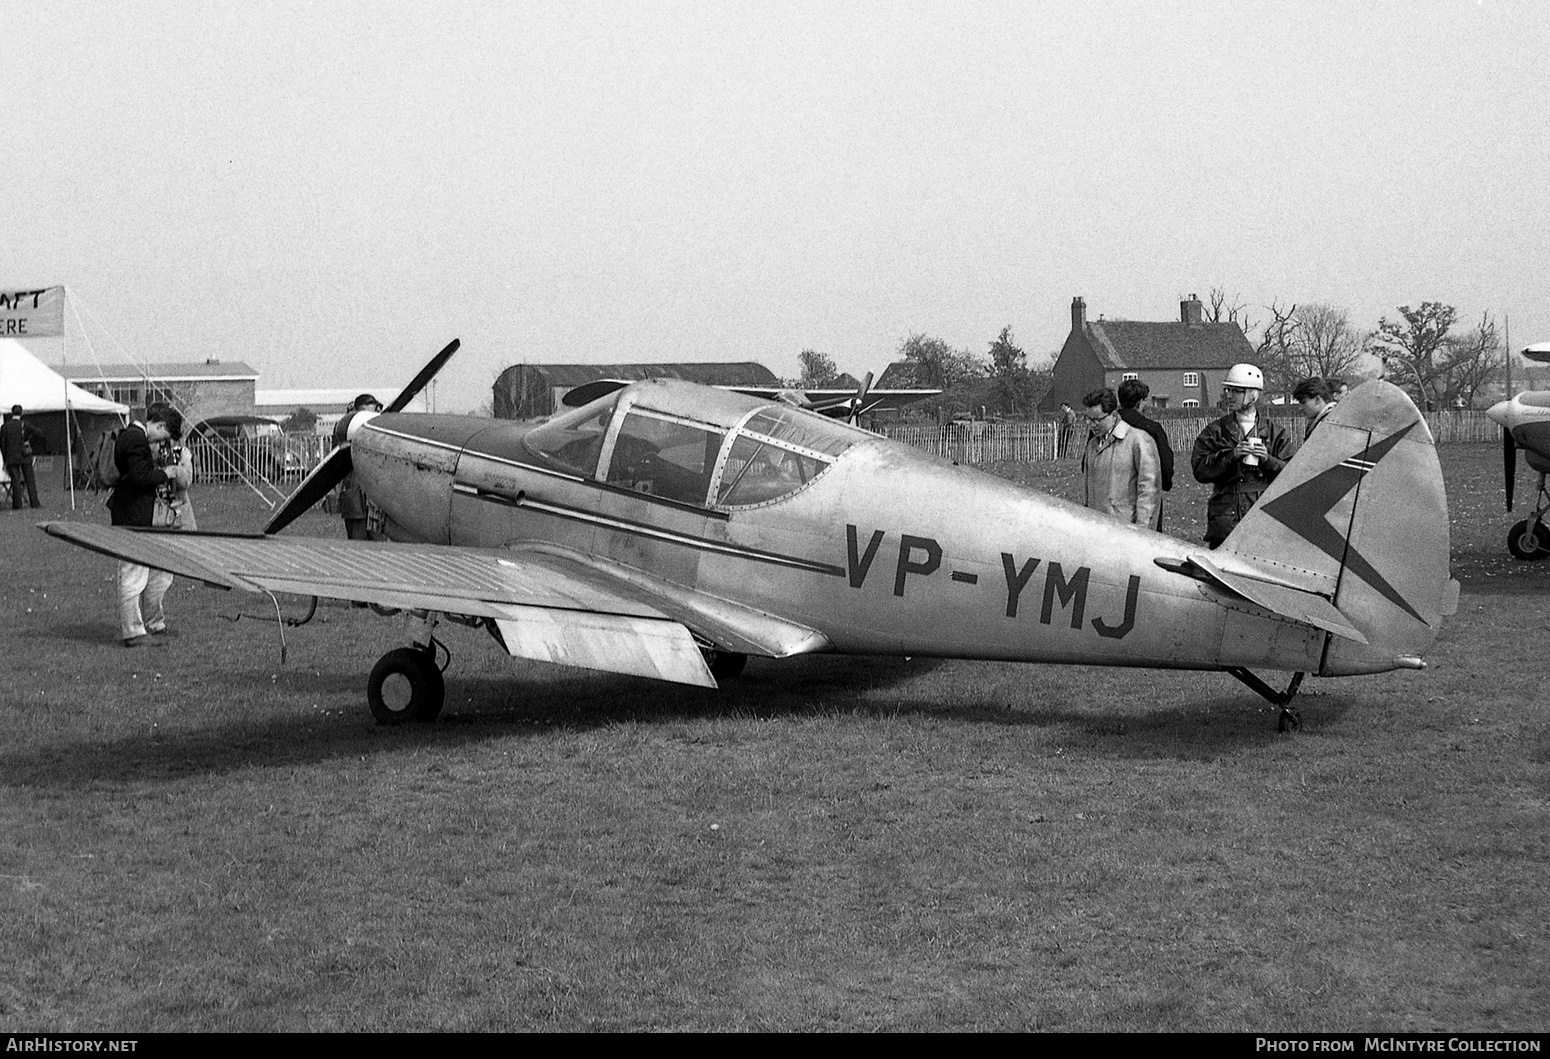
[1192, 379]
[1189, 402]
[1129, 375]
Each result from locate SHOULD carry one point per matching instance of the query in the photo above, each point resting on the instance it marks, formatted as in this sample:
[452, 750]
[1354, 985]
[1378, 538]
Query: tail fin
[1360, 510]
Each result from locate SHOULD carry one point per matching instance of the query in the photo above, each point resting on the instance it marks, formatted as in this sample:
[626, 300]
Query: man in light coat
[1120, 465]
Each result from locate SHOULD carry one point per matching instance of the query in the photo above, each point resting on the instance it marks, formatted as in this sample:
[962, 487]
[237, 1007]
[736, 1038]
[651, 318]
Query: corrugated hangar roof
[709, 373]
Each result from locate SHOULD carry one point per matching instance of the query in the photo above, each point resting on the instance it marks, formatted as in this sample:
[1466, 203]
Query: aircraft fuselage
[890, 551]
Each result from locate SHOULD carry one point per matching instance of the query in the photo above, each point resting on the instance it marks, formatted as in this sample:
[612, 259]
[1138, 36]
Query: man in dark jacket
[1238, 455]
[16, 440]
[1317, 400]
[352, 498]
[133, 503]
[1131, 393]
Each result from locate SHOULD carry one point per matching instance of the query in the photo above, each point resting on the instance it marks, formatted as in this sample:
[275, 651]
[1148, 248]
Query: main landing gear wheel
[404, 686]
[1529, 540]
[724, 665]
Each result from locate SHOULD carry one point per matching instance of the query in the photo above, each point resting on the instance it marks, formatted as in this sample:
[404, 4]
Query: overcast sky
[331, 191]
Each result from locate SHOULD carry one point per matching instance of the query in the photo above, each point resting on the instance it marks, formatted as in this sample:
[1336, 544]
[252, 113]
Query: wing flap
[730, 626]
[643, 647]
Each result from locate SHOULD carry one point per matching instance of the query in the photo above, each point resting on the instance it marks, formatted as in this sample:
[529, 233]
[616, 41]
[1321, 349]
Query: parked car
[248, 446]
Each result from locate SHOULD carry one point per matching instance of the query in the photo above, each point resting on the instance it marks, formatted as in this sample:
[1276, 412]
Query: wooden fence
[981, 442]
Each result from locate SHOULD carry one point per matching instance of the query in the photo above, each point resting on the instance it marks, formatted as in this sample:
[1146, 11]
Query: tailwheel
[1290, 718]
[404, 686]
[1529, 540]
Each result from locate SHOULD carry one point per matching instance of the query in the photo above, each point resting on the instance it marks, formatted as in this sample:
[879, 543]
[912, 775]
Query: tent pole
[64, 376]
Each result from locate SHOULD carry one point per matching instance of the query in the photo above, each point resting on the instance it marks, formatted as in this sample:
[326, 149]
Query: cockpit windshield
[574, 441]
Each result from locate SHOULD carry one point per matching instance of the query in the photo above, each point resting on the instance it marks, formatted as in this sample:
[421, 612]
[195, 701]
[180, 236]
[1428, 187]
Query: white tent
[27, 381]
[43, 392]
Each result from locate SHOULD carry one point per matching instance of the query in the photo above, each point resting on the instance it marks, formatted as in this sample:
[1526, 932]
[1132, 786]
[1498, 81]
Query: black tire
[405, 686]
[725, 665]
[1529, 540]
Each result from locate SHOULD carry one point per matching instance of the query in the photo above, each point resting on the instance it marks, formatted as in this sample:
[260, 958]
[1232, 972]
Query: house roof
[208, 370]
[710, 373]
[1138, 344]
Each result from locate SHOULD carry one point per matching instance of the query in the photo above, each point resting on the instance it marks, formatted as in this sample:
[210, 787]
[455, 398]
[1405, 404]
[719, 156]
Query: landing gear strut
[1530, 539]
[1291, 718]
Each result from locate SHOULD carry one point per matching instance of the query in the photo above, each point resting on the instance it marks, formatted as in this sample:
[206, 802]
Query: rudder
[1361, 512]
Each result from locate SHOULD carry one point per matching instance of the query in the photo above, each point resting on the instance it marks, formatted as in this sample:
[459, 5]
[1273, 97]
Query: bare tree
[1222, 309]
[1470, 361]
[1325, 344]
[1411, 350]
[1277, 351]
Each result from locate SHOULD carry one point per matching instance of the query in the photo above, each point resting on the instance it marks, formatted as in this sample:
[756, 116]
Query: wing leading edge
[548, 606]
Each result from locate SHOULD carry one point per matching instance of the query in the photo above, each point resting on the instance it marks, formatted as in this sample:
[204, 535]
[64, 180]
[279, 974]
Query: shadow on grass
[537, 700]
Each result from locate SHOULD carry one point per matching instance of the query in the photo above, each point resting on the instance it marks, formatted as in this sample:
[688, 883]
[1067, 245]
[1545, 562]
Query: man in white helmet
[1238, 455]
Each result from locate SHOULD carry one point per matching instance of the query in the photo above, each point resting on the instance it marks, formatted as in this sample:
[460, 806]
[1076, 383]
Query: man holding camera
[1238, 455]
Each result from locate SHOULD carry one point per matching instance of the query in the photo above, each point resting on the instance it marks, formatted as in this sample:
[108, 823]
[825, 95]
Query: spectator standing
[1067, 428]
[1120, 470]
[173, 508]
[1317, 402]
[351, 497]
[1131, 393]
[133, 503]
[17, 438]
[1238, 455]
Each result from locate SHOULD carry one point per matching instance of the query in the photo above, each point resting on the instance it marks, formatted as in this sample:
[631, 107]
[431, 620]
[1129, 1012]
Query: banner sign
[32, 313]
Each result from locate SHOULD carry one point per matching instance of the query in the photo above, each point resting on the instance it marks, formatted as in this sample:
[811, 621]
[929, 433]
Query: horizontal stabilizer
[1295, 604]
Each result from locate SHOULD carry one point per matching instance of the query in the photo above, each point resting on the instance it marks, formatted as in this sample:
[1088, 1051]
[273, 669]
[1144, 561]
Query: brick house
[1184, 363]
[198, 390]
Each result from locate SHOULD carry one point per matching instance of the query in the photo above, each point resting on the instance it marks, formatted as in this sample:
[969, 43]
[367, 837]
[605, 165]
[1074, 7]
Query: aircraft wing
[548, 605]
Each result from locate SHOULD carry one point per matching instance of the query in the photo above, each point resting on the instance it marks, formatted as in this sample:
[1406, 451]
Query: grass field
[198, 838]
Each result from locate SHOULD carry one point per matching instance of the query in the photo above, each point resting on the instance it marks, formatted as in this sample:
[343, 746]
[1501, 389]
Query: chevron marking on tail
[1304, 510]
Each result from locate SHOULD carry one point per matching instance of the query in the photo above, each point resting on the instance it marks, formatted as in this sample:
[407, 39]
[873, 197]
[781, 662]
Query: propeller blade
[1509, 463]
[588, 392]
[323, 479]
[861, 392]
[421, 380]
[847, 408]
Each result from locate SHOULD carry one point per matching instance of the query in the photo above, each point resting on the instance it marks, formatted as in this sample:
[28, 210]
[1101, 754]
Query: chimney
[1189, 311]
[1078, 314]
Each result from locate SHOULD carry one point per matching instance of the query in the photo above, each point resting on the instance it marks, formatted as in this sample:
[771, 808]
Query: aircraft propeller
[337, 465]
[848, 407]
